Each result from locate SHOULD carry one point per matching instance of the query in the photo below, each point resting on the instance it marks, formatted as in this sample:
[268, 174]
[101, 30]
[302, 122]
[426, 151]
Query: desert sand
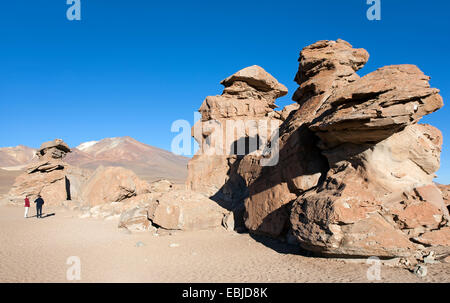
[36, 250]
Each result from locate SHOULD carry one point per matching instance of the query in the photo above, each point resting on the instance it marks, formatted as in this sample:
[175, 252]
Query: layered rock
[247, 102]
[56, 149]
[378, 197]
[355, 171]
[376, 106]
[374, 199]
[324, 66]
[49, 176]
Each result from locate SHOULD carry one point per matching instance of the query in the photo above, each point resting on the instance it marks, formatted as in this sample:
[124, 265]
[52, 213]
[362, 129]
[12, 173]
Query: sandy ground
[36, 250]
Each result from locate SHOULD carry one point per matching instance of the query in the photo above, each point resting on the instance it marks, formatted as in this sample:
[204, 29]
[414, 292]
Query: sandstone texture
[228, 130]
[378, 196]
[113, 184]
[355, 171]
[49, 176]
[185, 210]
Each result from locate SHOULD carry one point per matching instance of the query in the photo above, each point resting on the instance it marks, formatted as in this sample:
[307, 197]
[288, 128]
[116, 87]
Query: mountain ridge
[148, 162]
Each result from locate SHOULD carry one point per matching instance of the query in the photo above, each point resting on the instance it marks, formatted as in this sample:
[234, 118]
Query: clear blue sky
[133, 67]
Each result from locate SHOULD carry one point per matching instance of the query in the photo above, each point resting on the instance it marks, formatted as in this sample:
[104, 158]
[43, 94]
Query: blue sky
[133, 67]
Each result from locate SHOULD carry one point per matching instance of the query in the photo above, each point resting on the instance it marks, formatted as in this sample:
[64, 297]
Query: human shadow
[48, 215]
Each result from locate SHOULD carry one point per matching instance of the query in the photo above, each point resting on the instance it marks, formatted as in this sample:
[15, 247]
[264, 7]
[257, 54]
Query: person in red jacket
[27, 206]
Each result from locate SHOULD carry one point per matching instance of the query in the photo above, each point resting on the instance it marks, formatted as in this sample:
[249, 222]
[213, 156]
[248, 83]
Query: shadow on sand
[44, 215]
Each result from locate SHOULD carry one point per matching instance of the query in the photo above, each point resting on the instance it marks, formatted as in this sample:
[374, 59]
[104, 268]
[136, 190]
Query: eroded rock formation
[355, 172]
[49, 176]
[324, 66]
[248, 101]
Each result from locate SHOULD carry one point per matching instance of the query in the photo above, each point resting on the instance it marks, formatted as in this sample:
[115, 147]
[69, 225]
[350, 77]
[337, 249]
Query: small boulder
[135, 220]
[185, 210]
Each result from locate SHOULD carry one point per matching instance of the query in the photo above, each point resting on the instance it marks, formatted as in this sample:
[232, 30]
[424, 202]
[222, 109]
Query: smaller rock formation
[229, 124]
[49, 176]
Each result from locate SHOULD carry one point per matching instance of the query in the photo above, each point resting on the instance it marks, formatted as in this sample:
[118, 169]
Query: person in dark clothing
[39, 202]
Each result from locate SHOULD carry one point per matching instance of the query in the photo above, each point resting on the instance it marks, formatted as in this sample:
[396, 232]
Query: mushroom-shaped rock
[56, 149]
[258, 78]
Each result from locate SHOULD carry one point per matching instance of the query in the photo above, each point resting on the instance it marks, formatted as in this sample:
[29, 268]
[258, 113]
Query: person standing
[39, 202]
[27, 206]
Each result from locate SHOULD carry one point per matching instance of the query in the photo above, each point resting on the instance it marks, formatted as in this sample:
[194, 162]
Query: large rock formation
[378, 197]
[228, 130]
[355, 169]
[324, 66]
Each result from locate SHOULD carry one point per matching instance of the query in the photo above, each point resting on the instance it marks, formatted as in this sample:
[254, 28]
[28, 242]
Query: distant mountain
[15, 158]
[148, 162]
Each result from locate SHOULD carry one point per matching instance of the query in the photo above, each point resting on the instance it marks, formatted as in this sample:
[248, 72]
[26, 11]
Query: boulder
[185, 210]
[135, 219]
[112, 184]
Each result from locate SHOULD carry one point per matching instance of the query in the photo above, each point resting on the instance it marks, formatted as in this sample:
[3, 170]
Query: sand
[36, 250]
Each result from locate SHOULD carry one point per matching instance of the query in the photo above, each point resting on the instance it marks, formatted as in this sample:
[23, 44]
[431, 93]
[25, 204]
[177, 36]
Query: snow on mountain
[86, 145]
